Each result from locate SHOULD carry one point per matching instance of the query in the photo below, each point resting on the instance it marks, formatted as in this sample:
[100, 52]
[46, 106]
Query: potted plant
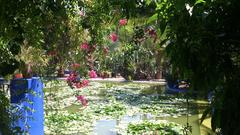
[32, 61]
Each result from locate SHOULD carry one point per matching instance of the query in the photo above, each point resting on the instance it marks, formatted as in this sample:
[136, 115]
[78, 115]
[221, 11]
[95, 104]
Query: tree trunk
[230, 115]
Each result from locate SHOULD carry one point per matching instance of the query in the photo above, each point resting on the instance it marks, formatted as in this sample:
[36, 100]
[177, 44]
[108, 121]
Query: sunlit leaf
[199, 1]
[153, 18]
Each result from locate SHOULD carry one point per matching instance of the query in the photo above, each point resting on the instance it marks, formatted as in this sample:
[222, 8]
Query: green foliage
[155, 127]
[113, 109]
[8, 64]
[5, 119]
[41, 24]
[204, 47]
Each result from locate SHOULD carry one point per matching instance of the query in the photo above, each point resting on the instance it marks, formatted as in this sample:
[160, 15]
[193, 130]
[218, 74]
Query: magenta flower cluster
[92, 74]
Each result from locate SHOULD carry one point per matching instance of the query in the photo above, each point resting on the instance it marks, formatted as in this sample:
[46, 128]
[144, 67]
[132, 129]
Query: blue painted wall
[27, 94]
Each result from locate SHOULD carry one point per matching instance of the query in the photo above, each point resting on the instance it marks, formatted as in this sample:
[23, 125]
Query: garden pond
[119, 109]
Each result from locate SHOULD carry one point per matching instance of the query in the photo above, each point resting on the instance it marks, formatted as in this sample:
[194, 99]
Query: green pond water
[151, 103]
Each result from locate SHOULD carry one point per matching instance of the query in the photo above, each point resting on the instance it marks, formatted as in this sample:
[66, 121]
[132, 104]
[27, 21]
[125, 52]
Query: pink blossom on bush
[85, 82]
[82, 99]
[72, 76]
[92, 74]
[85, 46]
[73, 81]
[122, 22]
[78, 85]
[114, 37]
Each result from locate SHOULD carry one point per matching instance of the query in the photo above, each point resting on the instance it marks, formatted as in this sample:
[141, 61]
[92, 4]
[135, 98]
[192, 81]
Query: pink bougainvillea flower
[78, 85]
[122, 22]
[114, 37]
[85, 82]
[85, 46]
[92, 74]
[82, 99]
[71, 79]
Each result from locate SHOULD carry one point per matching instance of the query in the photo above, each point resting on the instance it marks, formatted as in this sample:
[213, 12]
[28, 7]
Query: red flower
[114, 37]
[82, 99]
[122, 22]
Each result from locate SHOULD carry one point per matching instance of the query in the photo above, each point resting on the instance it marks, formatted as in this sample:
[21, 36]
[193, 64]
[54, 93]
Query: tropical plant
[34, 60]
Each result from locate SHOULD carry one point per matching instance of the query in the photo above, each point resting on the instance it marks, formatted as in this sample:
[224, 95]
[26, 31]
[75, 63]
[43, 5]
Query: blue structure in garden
[27, 95]
[173, 88]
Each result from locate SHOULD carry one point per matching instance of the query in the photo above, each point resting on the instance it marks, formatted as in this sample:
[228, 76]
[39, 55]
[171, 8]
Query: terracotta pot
[18, 75]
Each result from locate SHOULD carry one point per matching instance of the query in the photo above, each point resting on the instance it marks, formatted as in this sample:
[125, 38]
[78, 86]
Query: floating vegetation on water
[108, 101]
[63, 122]
[151, 127]
[112, 109]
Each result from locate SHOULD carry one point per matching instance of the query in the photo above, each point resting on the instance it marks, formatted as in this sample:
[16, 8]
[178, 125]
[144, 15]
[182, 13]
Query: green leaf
[199, 1]
[153, 18]
[159, 6]
[148, 2]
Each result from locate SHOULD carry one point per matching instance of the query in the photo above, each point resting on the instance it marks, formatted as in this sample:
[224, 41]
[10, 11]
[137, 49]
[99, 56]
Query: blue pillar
[27, 94]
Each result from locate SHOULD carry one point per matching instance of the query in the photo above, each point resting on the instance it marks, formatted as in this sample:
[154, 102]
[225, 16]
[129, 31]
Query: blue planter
[27, 95]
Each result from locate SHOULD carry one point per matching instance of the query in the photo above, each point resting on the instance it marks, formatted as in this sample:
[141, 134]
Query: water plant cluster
[64, 114]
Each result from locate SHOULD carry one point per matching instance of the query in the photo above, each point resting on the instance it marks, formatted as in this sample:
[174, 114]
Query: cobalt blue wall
[27, 94]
